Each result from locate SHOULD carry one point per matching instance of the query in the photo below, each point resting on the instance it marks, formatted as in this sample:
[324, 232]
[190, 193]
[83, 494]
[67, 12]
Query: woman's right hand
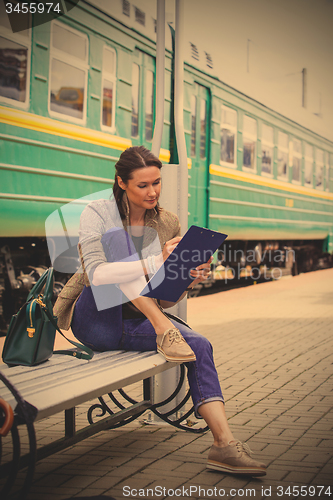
[167, 249]
[170, 246]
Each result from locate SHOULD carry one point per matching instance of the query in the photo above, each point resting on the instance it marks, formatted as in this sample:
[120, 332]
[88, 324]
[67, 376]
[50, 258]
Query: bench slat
[59, 364]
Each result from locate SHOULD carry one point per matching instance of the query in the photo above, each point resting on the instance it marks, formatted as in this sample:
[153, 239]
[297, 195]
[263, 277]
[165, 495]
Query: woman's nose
[151, 191]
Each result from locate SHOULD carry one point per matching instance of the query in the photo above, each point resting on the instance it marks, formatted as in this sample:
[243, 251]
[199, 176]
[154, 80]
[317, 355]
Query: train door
[199, 172]
[143, 98]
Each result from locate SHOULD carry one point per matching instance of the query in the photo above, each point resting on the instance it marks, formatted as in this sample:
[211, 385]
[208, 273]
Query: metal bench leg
[24, 414]
[70, 422]
[147, 384]
[147, 388]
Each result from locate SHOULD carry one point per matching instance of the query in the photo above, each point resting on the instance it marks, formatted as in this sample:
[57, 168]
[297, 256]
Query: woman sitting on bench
[117, 240]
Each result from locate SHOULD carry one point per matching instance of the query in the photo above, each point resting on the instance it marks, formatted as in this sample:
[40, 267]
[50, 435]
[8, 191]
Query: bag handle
[47, 279]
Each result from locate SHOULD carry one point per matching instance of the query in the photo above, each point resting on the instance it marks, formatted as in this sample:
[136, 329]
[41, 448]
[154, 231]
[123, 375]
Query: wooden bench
[64, 382]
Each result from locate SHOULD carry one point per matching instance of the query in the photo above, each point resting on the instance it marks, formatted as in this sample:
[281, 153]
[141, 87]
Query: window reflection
[65, 97]
[228, 135]
[249, 142]
[283, 155]
[319, 169]
[13, 70]
[203, 128]
[68, 88]
[297, 160]
[193, 124]
[135, 99]
[149, 105]
[107, 103]
[109, 85]
[267, 148]
[308, 171]
[328, 166]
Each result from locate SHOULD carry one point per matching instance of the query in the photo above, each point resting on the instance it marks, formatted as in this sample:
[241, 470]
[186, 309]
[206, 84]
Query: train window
[149, 104]
[228, 135]
[135, 99]
[193, 124]
[249, 142]
[308, 172]
[68, 72]
[68, 41]
[108, 88]
[14, 61]
[267, 149]
[297, 160]
[328, 167]
[203, 127]
[283, 155]
[320, 160]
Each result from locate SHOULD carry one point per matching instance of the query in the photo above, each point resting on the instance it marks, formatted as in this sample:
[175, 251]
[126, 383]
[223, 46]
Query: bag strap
[47, 279]
[87, 354]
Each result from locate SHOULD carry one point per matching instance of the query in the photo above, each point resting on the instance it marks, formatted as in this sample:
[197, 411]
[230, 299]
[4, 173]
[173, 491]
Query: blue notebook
[172, 279]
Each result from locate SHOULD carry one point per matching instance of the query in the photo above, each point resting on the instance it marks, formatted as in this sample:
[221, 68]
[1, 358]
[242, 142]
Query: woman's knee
[201, 344]
[196, 341]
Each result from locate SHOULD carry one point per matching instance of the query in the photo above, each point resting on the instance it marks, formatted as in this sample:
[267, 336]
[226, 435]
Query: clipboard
[195, 248]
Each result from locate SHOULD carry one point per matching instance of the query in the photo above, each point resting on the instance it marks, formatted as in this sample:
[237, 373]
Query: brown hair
[131, 159]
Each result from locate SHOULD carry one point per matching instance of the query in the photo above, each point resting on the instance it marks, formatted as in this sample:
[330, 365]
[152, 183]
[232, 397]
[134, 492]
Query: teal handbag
[31, 333]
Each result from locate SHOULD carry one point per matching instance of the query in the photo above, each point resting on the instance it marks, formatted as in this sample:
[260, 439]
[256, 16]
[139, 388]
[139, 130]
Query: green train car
[77, 91]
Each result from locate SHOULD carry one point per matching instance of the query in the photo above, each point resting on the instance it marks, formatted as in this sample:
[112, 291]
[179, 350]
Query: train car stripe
[43, 144]
[50, 126]
[267, 219]
[253, 179]
[265, 191]
[49, 199]
[266, 205]
[54, 127]
[55, 173]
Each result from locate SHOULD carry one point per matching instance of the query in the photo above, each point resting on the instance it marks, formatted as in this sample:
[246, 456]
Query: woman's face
[143, 190]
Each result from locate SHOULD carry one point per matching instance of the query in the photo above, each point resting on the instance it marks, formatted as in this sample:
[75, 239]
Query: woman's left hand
[201, 273]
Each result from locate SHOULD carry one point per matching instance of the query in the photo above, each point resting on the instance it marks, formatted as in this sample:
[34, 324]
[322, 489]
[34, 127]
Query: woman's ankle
[222, 442]
[162, 327]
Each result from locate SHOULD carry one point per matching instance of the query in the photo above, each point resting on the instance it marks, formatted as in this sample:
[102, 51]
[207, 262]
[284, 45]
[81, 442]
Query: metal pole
[179, 128]
[174, 190]
[304, 87]
[160, 65]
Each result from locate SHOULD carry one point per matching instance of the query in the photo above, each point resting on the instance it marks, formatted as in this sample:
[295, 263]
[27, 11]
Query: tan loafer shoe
[174, 347]
[235, 459]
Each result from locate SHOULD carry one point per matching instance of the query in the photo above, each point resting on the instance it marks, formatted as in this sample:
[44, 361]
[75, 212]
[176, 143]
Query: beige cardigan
[97, 218]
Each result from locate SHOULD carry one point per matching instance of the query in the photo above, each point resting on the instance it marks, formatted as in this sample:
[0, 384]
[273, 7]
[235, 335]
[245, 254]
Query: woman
[115, 265]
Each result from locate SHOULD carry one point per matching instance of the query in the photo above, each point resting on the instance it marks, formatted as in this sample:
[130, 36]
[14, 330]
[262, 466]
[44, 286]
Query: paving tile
[90, 492]
[324, 480]
[80, 481]
[53, 480]
[105, 482]
[299, 477]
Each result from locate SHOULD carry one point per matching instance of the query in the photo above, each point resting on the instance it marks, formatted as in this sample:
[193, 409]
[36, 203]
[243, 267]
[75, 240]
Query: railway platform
[273, 348]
